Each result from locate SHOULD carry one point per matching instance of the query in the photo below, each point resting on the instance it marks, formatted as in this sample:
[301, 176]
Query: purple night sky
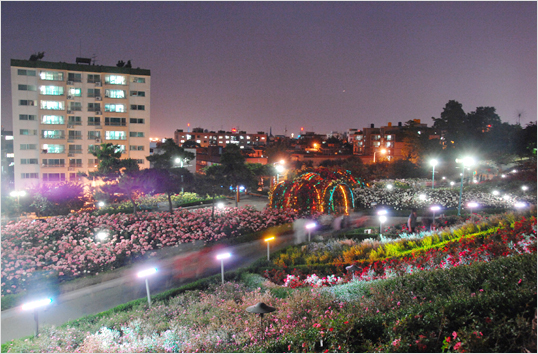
[327, 66]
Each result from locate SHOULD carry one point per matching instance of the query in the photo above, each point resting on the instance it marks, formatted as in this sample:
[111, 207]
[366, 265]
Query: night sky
[325, 66]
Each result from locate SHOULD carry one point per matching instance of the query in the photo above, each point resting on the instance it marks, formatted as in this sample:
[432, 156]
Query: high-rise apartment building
[63, 112]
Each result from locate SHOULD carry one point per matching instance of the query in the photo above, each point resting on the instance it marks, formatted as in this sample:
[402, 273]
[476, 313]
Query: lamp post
[471, 206]
[222, 257]
[145, 274]
[520, 205]
[279, 169]
[466, 161]
[267, 240]
[382, 219]
[18, 194]
[433, 163]
[34, 305]
[381, 151]
[262, 309]
[309, 227]
[434, 208]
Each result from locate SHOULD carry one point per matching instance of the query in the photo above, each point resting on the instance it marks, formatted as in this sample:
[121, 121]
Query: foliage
[167, 154]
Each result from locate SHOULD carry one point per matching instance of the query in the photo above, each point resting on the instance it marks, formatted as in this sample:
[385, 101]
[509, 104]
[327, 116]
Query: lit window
[139, 80]
[115, 135]
[115, 93]
[52, 134]
[55, 105]
[51, 75]
[115, 80]
[53, 148]
[74, 92]
[50, 119]
[51, 90]
[114, 108]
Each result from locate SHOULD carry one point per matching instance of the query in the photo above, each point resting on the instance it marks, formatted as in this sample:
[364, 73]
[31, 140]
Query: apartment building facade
[62, 113]
[220, 138]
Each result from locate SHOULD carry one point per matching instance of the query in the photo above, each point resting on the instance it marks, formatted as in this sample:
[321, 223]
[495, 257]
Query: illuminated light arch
[321, 190]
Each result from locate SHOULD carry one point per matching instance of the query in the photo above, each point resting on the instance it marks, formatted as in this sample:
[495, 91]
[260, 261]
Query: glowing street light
[101, 235]
[495, 192]
[422, 197]
[382, 151]
[524, 188]
[309, 227]
[471, 206]
[520, 205]
[145, 274]
[267, 240]
[222, 257]
[279, 170]
[382, 219]
[34, 305]
[465, 162]
[220, 205]
[101, 204]
[389, 187]
[434, 163]
[434, 208]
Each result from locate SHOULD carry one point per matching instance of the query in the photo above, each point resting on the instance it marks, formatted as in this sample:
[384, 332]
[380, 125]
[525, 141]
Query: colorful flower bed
[70, 246]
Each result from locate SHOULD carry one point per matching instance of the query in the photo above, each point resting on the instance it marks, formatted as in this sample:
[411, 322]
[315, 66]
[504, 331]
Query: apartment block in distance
[62, 112]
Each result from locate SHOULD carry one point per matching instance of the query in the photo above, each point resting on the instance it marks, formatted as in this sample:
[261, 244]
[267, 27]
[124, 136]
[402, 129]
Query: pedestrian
[412, 221]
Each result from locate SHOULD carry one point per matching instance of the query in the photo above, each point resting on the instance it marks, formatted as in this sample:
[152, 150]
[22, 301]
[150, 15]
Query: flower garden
[471, 288]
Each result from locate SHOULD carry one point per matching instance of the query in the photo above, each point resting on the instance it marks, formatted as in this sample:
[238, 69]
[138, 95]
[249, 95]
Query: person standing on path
[412, 221]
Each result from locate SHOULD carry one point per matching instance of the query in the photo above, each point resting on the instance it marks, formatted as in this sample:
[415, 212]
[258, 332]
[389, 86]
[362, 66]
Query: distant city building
[8, 162]
[220, 138]
[62, 113]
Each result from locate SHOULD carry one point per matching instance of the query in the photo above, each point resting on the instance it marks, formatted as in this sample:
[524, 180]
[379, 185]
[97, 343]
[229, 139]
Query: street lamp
[262, 309]
[309, 227]
[524, 188]
[495, 192]
[382, 219]
[267, 240]
[222, 257]
[466, 161]
[471, 206]
[101, 235]
[145, 274]
[389, 187]
[279, 169]
[434, 163]
[520, 205]
[434, 208]
[381, 151]
[220, 205]
[34, 305]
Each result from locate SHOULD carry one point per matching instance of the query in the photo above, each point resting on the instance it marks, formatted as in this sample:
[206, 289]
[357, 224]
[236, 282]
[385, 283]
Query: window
[93, 162]
[139, 107]
[56, 105]
[51, 119]
[136, 147]
[53, 134]
[115, 135]
[27, 117]
[29, 175]
[136, 120]
[93, 148]
[94, 135]
[93, 78]
[140, 80]
[75, 162]
[25, 72]
[121, 148]
[28, 146]
[28, 161]
[94, 120]
[114, 108]
[53, 162]
[115, 121]
[94, 107]
[51, 90]
[75, 92]
[74, 135]
[51, 75]
[138, 93]
[27, 103]
[136, 134]
[27, 88]
[94, 92]
[140, 161]
[75, 149]
[74, 77]
[115, 93]
[75, 106]
[28, 132]
[74, 120]
[53, 148]
[115, 80]
[53, 177]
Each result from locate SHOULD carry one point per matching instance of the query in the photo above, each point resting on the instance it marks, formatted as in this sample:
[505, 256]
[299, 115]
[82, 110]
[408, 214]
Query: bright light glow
[282, 162]
[224, 256]
[241, 188]
[178, 160]
[269, 238]
[435, 208]
[466, 161]
[35, 304]
[444, 177]
[146, 272]
[311, 225]
[389, 186]
[382, 212]
[279, 168]
[514, 171]
[472, 205]
[14, 193]
[506, 197]
[452, 183]
[520, 205]
[495, 193]
[101, 235]
[434, 162]
[101, 204]
[524, 188]
[220, 205]
[503, 176]
[17, 193]
[422, 197]
[382, 218]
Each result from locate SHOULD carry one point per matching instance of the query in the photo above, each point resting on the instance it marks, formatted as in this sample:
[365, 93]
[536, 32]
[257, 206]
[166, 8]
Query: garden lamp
[434, 208]
[524, 188]
[520, 205]
[222, 257]
[101, 235]
[34, 305]
[382, 219]
[471, 206]
[220, 205]
[434, 163]
[267, 240]
[466, 161]
[262, 309]
[495, 192]
[389, 187]
[145, 274]
[309, 227]
[279, 170]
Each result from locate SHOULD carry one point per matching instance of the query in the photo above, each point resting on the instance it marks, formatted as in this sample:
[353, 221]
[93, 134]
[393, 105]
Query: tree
[110, 165]
[234, 171]
[211, 183]
[452, 124]
[155, 180]
[169, 155]
[526, 141]
[55, 199]
[128, 184]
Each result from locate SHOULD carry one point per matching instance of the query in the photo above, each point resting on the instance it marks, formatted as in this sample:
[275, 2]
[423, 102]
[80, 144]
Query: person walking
[412, 221]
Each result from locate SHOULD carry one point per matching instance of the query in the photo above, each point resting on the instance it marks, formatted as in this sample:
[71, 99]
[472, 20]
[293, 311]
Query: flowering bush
[313, 280]
[69, 245]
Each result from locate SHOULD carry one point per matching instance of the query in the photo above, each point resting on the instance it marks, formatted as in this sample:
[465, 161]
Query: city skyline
[322, 66]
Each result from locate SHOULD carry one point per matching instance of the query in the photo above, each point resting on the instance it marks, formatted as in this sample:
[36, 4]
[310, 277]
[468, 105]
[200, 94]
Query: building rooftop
[78, 67]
